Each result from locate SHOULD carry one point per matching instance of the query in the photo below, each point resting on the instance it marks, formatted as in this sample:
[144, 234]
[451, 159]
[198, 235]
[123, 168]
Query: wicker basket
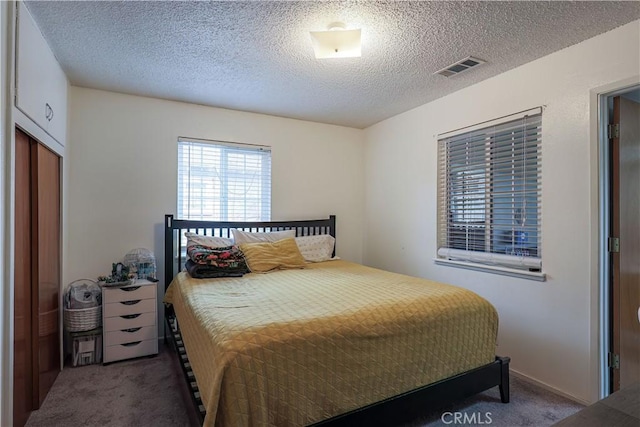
[84, 319]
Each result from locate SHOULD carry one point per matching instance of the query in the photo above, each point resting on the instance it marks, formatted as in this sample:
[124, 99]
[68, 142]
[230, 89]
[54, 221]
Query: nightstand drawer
[127, 351]
[130, 322]
[130, 335]
[129, 307]
[134, 321]
[129, 293]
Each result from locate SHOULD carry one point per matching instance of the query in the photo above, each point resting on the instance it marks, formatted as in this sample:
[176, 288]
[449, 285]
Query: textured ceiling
[257, 56]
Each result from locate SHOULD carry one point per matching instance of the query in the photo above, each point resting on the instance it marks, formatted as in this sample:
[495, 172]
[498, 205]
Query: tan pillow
[240, 236]
[267, 256]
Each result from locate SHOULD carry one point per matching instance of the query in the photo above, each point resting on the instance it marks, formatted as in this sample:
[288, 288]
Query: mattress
[293, 347]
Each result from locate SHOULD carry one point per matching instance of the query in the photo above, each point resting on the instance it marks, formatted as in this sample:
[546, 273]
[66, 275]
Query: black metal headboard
[173, 228]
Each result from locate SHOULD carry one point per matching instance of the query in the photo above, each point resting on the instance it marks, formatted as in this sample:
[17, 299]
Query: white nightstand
[129, 321]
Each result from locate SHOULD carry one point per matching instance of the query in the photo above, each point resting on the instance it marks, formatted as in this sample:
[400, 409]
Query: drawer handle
[132, 288]
[132, 302]
[131, 344]
[132, 329]
[130, 316]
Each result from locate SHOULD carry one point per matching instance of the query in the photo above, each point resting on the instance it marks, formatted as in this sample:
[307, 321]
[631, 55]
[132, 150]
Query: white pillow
[210, 241]
[247, 237]
[316, 248]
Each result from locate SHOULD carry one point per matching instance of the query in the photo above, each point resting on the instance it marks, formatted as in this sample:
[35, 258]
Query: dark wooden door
[626, 225]
[37, 275]
[23, 365]
[48, 258]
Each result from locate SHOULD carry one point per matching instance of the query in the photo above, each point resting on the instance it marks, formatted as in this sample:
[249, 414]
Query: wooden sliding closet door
[48, 250]
[23, 364]
[37, 275]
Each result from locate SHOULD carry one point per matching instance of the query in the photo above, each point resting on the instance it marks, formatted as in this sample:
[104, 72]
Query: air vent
[460, 66]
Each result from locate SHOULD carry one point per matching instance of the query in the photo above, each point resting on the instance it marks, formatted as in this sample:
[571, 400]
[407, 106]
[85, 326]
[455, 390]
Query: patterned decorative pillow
[316, 248]
[224, 257]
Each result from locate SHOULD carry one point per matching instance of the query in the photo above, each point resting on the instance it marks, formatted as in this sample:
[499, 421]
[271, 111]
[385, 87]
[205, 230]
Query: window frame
[488, 158]
[222, 172]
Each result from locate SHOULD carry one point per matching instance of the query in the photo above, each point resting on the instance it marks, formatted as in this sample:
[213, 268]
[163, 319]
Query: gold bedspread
[294, 347]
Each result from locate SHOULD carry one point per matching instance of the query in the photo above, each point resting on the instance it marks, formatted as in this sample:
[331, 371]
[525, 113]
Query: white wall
[123, 172]
[547, 328]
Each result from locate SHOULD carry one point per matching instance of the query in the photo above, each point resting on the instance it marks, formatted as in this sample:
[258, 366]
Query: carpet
[148, 391]
[152, 392]
[530, 405]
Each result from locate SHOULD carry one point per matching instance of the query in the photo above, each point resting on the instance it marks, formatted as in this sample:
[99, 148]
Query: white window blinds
[489, 194]
[223, 182]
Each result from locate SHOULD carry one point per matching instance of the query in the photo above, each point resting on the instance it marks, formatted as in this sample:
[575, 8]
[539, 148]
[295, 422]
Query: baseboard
[552, 389]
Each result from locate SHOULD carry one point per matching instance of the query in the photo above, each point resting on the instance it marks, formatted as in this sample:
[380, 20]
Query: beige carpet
[151, 392]
[529, 405]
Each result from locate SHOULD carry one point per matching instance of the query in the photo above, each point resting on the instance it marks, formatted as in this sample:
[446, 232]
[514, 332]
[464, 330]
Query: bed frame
[404, 407]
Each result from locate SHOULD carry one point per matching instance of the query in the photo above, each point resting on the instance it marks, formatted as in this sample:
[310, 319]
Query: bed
[335, 343]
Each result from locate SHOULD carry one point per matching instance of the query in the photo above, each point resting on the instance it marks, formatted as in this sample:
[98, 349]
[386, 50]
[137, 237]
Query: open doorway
[620, 238]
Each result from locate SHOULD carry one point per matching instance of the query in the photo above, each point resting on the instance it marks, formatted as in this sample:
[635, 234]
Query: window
[221, 181]
[489, 194]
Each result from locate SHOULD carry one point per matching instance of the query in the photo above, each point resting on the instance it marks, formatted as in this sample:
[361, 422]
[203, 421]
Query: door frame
[605, 116]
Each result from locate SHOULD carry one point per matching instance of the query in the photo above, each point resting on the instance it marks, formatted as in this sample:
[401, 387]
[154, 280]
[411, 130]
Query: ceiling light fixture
[336, 42]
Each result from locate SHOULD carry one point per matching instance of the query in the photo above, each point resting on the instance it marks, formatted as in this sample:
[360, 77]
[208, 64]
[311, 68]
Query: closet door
[37, 275]
[48, 258]
[24, 398]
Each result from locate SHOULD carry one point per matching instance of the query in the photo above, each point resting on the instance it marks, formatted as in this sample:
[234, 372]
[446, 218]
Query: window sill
[505, 271]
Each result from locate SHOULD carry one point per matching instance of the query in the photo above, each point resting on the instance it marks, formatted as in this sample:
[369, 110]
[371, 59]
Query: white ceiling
[257, 56]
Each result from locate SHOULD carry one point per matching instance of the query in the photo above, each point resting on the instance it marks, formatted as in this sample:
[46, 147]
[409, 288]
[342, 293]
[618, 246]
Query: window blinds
[223, 182]
[489, 193]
